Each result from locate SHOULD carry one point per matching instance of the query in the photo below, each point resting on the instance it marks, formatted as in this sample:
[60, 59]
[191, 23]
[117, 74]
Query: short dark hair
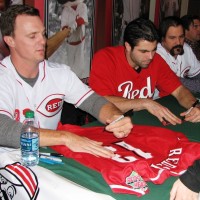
[187, 20]
[167, 22]
[140, 29]
[8, 17]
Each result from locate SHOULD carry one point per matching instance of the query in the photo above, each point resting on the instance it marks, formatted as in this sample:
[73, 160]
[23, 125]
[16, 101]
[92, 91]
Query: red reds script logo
[51, 105]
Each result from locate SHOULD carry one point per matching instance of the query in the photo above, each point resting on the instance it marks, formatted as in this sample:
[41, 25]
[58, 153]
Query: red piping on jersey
[44, 68]
[6, 112]
[3, 65]
[83, 96]
[19, 82]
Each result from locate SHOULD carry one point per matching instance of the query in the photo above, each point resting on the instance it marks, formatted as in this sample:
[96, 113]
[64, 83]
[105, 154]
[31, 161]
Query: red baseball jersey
[112, 75]
[148, 154]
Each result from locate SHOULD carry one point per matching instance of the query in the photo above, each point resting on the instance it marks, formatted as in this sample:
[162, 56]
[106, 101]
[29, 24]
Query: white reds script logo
[51, 105]
[18, 183]
[128, 90]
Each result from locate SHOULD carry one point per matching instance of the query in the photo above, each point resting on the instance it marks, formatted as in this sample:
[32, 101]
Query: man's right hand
[180, 192]
[162, 113]
[77, 143]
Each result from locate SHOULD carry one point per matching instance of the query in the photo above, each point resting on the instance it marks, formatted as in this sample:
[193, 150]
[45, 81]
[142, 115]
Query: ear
[127, 46]
[9, 41]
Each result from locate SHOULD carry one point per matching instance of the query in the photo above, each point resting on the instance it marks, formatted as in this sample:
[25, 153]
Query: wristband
[196, 104]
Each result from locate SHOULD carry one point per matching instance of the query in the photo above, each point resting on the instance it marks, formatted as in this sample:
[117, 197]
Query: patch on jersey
[18, 182]
[136, 182]
[51, 105]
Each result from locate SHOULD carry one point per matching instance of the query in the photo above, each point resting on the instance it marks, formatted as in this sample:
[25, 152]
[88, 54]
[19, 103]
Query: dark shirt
[191, 178]
[195, 47]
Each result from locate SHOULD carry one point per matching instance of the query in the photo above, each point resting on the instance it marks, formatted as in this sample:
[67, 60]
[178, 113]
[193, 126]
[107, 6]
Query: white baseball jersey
[185, 65]
[56, 83]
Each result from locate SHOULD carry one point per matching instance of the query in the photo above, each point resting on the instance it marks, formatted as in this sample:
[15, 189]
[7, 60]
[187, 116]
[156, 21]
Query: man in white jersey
[27, 81]
[178, 54]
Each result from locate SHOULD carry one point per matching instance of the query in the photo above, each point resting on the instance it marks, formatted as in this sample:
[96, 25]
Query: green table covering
[93, 180]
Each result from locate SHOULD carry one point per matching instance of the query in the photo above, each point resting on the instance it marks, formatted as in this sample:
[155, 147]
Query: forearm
[191, 178]
[108, 111]
[9, 132]
[55, 41]
[53, 137]
[184, 96]
[127, 104]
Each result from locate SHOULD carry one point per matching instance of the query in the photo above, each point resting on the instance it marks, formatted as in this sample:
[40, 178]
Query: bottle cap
[29, 114]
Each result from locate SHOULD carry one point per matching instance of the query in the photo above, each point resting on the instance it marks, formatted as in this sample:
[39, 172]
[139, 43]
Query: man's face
[142, 54]
[193, 33]
[174, 40]
[28, 41]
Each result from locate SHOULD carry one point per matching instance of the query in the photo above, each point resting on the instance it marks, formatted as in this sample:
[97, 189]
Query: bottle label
[29, 144]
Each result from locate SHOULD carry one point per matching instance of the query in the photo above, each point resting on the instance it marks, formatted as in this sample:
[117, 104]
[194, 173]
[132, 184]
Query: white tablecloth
[37, 182]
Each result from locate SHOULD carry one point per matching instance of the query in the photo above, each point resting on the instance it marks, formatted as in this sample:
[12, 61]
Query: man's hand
[192, 116]
[82, 144]
[180, 192]
[161, 112]
[120, 128]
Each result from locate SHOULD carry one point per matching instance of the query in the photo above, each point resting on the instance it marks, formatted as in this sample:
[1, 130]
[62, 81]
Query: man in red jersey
[128, 75]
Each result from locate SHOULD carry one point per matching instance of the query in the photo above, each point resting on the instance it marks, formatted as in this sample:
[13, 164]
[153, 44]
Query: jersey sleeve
[76, 92]
[191, 178]
[8, 94]
[167, 80]
[102, 75]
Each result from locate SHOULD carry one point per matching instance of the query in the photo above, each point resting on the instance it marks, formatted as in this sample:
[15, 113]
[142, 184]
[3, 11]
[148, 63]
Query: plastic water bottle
[29, 141]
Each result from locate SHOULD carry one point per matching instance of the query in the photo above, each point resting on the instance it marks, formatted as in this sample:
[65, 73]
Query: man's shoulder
[160, 49]
[58, 71]
[6, 66]
[158, 57]
[187, 47]
[158, 61]
[188, 53]
[54, 66]
[162, 52]
[111, 50]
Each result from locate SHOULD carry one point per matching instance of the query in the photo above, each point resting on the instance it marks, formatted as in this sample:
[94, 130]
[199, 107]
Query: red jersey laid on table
[112, 75]
[148, 154]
